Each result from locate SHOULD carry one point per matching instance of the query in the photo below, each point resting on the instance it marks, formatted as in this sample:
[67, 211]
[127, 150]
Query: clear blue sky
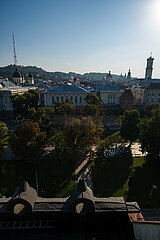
[81, 35]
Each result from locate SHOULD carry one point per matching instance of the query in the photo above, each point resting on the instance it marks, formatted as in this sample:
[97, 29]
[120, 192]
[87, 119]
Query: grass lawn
[107, 133]
[54, 180]
[110, 178]
[114, 137]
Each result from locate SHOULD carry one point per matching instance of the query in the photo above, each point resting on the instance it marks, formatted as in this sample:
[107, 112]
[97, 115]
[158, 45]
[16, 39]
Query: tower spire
[149, 68]
[14, 50]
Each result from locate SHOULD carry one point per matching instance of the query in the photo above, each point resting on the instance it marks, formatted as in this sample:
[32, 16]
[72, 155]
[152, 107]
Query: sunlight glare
[154, 13]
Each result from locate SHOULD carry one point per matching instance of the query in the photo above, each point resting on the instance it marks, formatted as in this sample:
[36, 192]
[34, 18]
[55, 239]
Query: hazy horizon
[82, 35]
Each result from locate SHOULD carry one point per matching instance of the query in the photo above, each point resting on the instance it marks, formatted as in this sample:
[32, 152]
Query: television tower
[14, 50]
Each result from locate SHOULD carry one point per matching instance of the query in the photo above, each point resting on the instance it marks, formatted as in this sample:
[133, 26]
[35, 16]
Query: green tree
[81, 134]
[21, 103]
[151, 107]
[129, 125]
[92, 99]
[150, 134]
[94, 110]
[4, 137]
[64, 107]
[27, 141]
[44, 116]
[59, 141]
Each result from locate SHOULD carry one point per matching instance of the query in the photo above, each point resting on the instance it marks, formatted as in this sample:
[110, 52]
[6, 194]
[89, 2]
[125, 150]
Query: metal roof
[106, 88]
[66, 88]
[153, 86]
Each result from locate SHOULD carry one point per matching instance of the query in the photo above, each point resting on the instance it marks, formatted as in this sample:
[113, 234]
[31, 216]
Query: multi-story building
[6, 107]
[151, 94]
[109, 94]
[76, 94]
[138, 93]
[127, 100]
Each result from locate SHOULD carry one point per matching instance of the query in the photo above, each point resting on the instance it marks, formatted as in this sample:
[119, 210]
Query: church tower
[30, 79]
[149, 68]
[129, 74]
[109, 77]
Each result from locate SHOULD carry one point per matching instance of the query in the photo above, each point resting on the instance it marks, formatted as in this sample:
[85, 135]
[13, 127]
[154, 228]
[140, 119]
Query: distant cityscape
[121, 91]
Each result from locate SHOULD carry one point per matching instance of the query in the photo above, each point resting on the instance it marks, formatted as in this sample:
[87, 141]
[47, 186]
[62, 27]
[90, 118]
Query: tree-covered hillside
[7, 72]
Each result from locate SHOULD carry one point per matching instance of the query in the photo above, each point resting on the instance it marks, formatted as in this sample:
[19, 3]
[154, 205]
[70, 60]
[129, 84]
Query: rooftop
[153, 86]
[67, 88]
[106, 88]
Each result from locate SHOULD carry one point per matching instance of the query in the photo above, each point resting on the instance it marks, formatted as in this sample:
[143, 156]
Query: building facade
[7, 93]
[76, 94]
[108, 94]
[127, 100]
[151, 94]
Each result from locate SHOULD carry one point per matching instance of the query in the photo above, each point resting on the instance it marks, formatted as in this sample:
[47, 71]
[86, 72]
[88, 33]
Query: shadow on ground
[110, 175]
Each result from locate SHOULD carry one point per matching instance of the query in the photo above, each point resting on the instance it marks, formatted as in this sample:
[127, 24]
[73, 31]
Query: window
[57, 98]
[152, 94]
[62, 98]
[148, 94]
[76, 99]
[80, 99]
[71, 98]
[53, 100]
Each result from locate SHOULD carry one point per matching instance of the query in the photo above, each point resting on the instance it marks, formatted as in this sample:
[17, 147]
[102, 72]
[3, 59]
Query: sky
[82, 35]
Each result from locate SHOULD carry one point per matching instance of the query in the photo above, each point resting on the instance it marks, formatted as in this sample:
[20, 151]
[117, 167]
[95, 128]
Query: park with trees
[69, 131]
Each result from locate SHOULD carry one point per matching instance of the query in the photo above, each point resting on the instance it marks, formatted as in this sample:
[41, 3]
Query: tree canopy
[82, 133]
[92, 99]
[21, 103]
[27, 141]
[150, 134]
[44, 116]
[129, 126]
[4, 137]
[151, 107]
[64, 107]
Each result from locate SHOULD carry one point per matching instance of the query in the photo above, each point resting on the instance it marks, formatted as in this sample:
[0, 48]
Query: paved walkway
[82, 170]
[135, 148]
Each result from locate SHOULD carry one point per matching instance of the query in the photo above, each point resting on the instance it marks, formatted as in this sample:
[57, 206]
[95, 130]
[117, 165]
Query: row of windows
[111, 97]
[153, 94]
[75, 99]
[152, 100]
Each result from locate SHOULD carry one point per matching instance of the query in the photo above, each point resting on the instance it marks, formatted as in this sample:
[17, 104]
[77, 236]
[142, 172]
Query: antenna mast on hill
[14, 50]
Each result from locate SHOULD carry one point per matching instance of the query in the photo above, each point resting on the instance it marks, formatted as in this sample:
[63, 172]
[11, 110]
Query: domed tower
[129, 74]
[30, 79]
[18, 78]
[109, 77]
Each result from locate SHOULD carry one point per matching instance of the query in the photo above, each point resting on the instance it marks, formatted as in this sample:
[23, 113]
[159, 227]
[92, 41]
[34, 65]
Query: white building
[109, 94]
[76, 94]
[151, 94]
[7, 93]
[147, 95]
